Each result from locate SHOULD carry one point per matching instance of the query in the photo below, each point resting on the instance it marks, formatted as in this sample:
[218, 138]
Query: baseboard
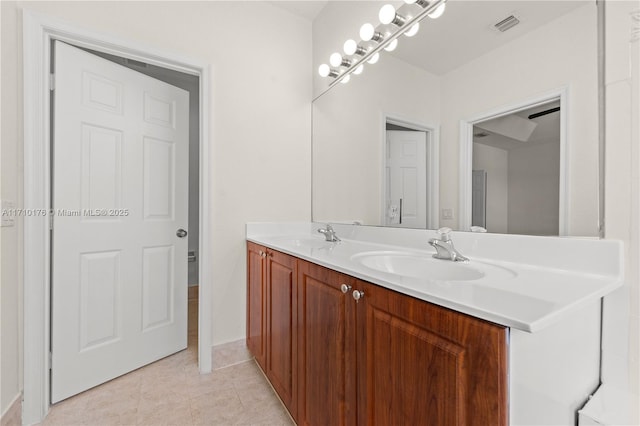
[228, 354]
[13, 414]
[193, 292]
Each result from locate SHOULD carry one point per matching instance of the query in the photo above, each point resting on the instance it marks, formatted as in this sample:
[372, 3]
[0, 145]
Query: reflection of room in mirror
[458, 71]
[406, 177]
[516, 172]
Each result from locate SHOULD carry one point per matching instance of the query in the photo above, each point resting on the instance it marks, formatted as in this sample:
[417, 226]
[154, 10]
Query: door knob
[345, 288]
[357, 294]
[181, 233]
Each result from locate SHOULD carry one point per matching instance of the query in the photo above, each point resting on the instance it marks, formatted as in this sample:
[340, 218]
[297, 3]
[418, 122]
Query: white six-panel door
[120, 194]
[406, 179]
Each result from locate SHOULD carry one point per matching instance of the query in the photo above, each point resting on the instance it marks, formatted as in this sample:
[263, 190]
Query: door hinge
[50, 222]
[52, 81]
[50, 361]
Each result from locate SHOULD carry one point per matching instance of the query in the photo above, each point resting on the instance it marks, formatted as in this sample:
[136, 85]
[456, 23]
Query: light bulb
[335, 59]
[413, 30]
[387, 14]
[350, 47]
[367, 31]
[324, 70]
[373, 59]
[391, 46]
[358, 70]
[345, 79]
[438, 12]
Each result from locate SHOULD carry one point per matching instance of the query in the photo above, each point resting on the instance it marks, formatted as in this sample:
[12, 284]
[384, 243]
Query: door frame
[433, 165]
[466, 154]
[38, 31]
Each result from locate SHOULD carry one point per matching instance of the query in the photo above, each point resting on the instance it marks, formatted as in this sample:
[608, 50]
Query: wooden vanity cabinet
[271, 319]
[256, 302]
[281, 363]
[326, 347]
[385, 359]
[419, 363]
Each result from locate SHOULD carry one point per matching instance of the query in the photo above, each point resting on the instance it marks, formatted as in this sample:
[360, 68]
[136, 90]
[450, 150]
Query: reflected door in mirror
[406, 179]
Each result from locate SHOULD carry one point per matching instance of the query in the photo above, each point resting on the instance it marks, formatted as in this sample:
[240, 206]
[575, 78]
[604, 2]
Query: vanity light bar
[407, 22]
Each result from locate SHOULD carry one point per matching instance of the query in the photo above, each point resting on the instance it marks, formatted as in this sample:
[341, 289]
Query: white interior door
[120, 193]
[406, 179]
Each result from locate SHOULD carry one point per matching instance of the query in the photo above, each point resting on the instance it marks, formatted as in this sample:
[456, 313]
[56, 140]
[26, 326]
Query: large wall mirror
[465, 124]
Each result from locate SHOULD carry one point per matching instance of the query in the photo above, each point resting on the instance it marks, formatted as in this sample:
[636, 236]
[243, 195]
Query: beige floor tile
[128, 418]
[276, 418]
[171, 391]
[217, 408]
[208, 383]
[167, 413]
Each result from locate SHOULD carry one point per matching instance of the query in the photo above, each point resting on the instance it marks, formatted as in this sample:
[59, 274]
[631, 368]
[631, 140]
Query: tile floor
[172, 392]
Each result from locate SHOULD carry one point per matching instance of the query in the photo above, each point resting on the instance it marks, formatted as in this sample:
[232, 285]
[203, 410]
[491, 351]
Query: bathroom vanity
[361, 332]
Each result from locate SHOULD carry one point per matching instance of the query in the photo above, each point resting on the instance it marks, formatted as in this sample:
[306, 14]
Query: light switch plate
[447, 214]
[8, 216]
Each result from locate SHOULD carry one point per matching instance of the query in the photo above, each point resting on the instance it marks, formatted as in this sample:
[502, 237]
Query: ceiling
[306, 9]
[547, 130]
[465, 31]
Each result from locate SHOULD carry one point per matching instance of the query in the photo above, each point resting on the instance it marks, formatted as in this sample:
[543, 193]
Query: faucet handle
[444, 233]
[329, 227]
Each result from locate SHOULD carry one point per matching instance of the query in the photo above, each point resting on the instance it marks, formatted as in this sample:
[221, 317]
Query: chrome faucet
[329, 233]
[444, 247]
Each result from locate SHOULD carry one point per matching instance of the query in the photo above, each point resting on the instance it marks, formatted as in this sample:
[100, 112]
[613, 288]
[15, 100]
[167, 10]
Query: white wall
[260, 131]
[621, 340]
[517, 71]
[10, 189]
[522, 188]
[534, 185]
[495, 162]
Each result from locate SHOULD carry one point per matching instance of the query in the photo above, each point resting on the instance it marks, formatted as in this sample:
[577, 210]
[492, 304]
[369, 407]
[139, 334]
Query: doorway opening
[39, 31]
[514, 168]
[410, 175]
[516, 172]
[123, 134]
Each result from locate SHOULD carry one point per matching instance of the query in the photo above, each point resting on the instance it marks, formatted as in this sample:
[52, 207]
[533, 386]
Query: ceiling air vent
[507, 23]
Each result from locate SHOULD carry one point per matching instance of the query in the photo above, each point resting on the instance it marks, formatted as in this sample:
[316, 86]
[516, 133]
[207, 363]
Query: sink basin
[420, 265]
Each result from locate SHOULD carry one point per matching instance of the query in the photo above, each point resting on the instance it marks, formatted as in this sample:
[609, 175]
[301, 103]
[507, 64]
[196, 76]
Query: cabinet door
[422, 364]
[281, 322]
[326, 336]
[256, 302]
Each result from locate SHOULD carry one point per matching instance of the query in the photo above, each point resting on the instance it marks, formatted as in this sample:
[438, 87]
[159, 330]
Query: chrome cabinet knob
[345, 288]
[181, 233]
[357, 294]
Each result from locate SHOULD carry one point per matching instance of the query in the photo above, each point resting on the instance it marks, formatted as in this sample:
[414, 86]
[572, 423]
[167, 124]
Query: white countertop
[553, 276]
